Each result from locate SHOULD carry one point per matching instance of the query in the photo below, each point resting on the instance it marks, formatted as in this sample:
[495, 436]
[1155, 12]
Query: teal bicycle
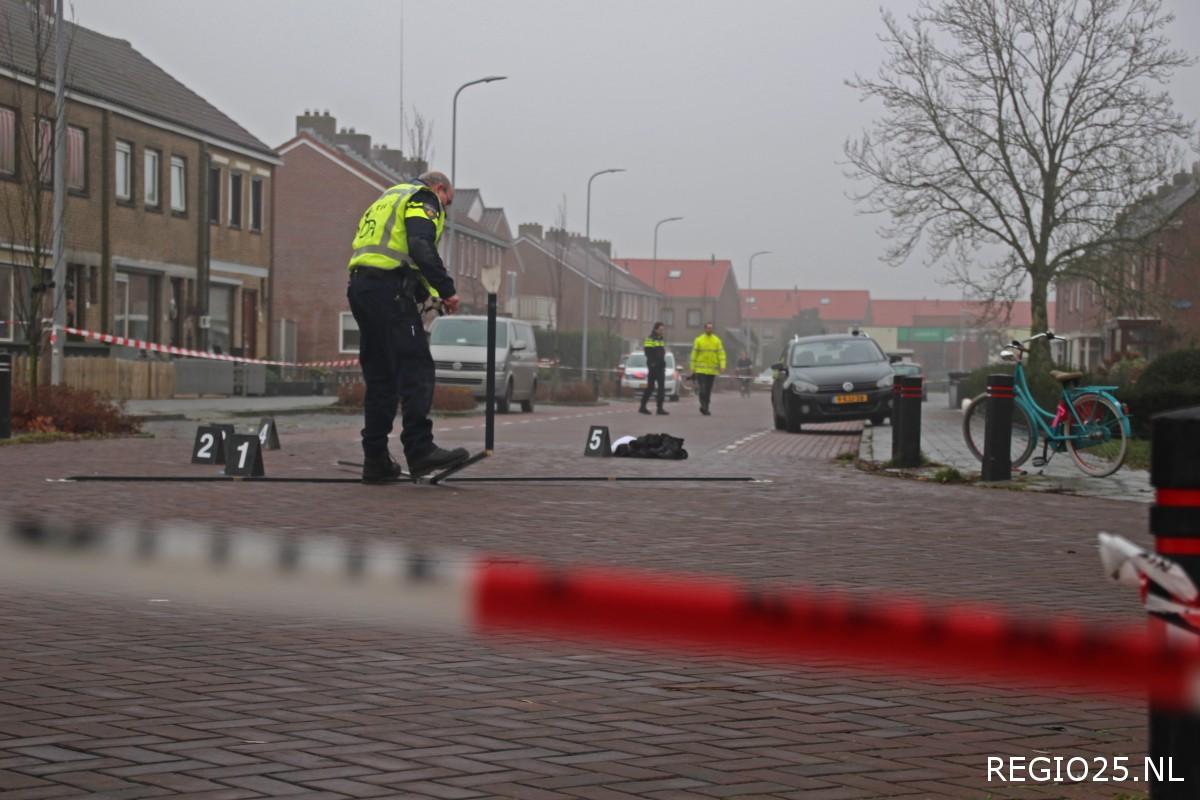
[1089, 422]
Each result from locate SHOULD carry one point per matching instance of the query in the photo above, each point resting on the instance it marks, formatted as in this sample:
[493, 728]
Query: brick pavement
[942, 441]
[118, 697]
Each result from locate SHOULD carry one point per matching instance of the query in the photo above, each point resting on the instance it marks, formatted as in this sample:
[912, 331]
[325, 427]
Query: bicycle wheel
[1097, 440]
[975, 426]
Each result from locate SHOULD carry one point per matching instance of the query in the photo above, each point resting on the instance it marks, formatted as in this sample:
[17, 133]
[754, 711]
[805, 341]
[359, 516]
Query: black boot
[381, 469]
[436, 459]
[662, 412]
[643, 409]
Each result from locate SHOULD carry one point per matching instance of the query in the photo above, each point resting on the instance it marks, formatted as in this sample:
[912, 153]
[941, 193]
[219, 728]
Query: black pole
[1175, 523]
[5, 395]
[895, 415]
[489, 426]
[910, 422]
[997, 434]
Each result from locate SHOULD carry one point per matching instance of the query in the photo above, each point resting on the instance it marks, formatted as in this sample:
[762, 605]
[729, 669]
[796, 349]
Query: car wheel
[503, 404]
[791, 418]
[877, 420]
[527, 405]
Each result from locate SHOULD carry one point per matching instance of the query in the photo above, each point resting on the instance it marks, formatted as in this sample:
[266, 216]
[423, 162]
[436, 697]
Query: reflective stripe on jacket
[708, 355]
[656, 352]
[381, 240]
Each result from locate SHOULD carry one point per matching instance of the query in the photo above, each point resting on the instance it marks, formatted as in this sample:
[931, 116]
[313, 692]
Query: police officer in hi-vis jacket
[394, 268]
[655, 349]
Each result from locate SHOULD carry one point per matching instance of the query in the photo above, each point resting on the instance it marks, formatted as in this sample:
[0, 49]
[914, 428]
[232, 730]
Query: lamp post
[454, 158]
[654, 271]
[750, 296]
[587, 267]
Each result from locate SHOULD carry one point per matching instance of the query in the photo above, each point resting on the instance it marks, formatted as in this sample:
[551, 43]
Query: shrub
[452, 398]
[1178, 367]
[567, 392]
[69, 410]
[1122, 369]
[351, 394]
[1045, 389]
[1145, 400]
[445, 398]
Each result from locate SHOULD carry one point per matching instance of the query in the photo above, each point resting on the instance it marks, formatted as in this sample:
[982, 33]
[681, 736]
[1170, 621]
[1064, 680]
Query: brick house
[552, 268]
[775, 315]
[1162, 309]
[481, 237]
[694, 292]
[168, 214]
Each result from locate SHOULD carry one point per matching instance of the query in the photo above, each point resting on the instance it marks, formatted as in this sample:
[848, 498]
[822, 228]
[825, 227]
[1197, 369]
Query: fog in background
[730, 115]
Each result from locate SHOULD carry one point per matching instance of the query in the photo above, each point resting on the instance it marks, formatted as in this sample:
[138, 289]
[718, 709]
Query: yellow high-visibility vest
[381, 240]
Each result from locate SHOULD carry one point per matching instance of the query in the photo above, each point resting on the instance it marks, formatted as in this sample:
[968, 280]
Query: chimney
[324, 125]
[604, 246]
[397, 163]
[530, 229]
[358, 142]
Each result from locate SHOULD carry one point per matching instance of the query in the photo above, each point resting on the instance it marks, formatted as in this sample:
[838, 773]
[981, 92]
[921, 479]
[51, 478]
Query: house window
[348, 334]
[135, 307]
[7, 316]
[256, 207]
[235, 199]
[512, 285]
[178, 184]
[214, 195]
[76, 159]
[8, 141]
[124, 171]
[668, 317]
[150, 171]
[693, 318]
[220, 315]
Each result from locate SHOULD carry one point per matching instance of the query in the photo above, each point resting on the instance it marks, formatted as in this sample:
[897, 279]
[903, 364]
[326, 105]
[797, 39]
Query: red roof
[936, 313]
[678, 277]
[840, 305]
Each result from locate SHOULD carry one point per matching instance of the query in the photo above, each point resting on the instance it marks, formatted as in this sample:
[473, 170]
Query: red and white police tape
[374, 582]
[170, 349]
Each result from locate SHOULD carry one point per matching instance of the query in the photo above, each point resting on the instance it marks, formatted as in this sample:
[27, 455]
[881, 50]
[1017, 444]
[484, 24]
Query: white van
[459, 347]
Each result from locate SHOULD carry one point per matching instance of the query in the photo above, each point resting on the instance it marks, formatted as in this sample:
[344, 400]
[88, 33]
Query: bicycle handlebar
[1049, 335]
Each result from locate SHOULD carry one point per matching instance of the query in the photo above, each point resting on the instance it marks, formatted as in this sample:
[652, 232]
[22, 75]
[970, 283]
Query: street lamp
[654, 272]
[454, 158]
[587, 265]
[750, 296]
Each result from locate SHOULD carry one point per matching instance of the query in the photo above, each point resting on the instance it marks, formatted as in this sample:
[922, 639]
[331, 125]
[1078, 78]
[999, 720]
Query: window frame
[255, 222]
[182, 161]
[16, 131]
[235, 198]
[127, 199]
[82, 189]
[342, 331]
[668, 317]
[11, 317]
[699, 315]
[214, 178]
[147, 152]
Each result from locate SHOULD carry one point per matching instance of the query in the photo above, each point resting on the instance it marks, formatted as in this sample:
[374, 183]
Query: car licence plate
[843, 399]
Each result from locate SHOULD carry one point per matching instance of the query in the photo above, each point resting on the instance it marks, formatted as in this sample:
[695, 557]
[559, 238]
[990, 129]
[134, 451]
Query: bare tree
[27, 200]
[1019, 129]
[420, 137]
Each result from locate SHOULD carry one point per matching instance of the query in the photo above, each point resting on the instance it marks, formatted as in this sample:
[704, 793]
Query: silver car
[459, 347]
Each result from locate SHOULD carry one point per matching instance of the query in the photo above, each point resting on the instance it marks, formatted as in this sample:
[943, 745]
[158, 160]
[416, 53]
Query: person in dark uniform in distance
[394, 268]
[655, 349]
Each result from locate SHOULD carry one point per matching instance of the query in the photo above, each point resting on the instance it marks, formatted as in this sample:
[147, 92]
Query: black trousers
[655, 376]
[704, 385]
[393, 350]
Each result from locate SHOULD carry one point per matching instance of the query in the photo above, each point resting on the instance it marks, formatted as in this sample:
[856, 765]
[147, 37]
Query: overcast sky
[730, 115]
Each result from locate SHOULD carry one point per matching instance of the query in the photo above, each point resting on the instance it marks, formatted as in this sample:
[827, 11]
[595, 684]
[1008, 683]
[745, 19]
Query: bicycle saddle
[1065, 377]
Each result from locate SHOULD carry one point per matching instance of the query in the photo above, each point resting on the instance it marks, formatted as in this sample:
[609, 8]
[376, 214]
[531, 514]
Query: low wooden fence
[118, 378]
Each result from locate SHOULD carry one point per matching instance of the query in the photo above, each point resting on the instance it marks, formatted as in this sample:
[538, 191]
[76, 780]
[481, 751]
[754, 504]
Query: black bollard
[997, 434]
[1175, 523]
[910, 422]
[5, 395]
[895, 415]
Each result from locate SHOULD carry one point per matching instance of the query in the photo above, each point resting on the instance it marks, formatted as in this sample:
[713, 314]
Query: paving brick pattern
[117, 697]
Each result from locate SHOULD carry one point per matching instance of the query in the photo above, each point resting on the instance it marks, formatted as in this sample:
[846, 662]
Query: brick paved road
[118, 697]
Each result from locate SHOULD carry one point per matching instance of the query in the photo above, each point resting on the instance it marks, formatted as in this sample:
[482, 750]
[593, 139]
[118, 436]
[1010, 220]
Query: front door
[250, 323]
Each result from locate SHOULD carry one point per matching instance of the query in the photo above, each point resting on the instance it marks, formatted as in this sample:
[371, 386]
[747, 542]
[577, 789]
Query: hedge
[1146, 401]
